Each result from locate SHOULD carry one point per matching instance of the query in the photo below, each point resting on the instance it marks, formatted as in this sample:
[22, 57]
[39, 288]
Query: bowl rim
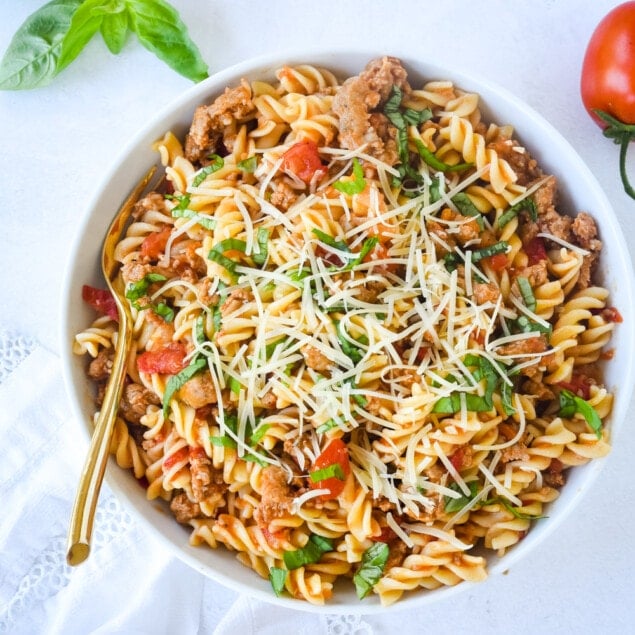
[525, 118]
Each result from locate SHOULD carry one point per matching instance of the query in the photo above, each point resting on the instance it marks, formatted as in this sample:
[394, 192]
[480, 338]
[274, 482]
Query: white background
[57, 141]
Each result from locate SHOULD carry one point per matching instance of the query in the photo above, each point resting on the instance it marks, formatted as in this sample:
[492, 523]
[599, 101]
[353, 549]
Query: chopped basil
[571, 404]
[355, 186]
[331, 471]
[525, 325]
[248, 165]
[216, 164]
[139, 289]
[277, 577]
[310, 553]
[201, 219]
[225, 441]
[452, 505]
[526, 204]
[401, 118]
[217, 253]
[367, 247]
[430, 158]
[466, 208]
[326, 426]
[526, 292]
[330, 241]
[262, 238]
[164, 311]
[354, 353]
[501, 247]
[175, 382]
[374, 561]
[513, 510]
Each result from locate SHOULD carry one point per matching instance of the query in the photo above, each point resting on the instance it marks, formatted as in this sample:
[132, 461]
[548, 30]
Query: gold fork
[83, 514]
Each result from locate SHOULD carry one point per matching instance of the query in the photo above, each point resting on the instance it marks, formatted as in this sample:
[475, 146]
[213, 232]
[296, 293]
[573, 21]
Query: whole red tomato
[607, 83]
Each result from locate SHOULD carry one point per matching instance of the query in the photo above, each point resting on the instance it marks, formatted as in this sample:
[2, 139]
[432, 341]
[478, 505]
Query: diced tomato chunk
[387, 535]
[101, 300]
[303, 160]
[180, 456]
[579, 385]
[154, 244]
[335, 452]
[535, 250]
[168, 360]
[497, 262]
[611, 314]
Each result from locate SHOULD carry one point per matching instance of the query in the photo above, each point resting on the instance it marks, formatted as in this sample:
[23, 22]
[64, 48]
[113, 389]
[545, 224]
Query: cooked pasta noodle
[363, 330]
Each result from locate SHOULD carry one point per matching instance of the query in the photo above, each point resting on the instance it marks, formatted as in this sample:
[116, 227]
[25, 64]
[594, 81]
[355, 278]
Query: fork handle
[83, 514]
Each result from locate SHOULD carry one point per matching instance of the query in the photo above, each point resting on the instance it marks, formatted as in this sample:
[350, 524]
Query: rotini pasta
[367, 345]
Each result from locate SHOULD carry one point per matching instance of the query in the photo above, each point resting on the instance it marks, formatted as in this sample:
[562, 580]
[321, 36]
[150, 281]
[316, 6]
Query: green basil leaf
[310, 553]
[431, 159]
[501, 247]
[277, 577]
[216, 164]
[331, 471]
[31, 57]
[262, 238]
[326, 426]
[357, 185]
[139, 289]
[217, 253]
[571, 404]
[85, 23]
[114, 28]
[330, 241]
[526, 204]
[248, 165]
[466, 208]
[526, 292]
[374, 561]
[175, 382]
[161, 30]
[452, 505]
[367, 247]
[165, 311]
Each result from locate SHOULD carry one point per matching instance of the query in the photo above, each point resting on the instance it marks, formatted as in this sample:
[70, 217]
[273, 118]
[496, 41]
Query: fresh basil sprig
[53, 36]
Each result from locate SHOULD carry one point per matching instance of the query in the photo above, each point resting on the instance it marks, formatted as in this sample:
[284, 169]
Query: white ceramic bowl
[579, 191]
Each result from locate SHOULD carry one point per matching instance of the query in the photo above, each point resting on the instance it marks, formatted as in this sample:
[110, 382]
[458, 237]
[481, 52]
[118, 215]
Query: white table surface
[57, 141]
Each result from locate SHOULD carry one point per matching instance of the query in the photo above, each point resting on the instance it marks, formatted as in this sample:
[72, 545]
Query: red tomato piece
[180, 456]
[497, 262]
[579, 385]
[335, 452]
[154, 244]
[168, 360]
[535, 250]
[101, 300]
[611, 314]
[303, 160]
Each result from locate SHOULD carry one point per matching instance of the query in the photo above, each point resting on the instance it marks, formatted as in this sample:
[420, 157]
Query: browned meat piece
[135, 401]
[185, 261]
[525, 167]
[283, 195]
[554, 476]
[269, 400]
[236, 299]
[276, 496]
[549, 220]
[528, 346]
[100, 367]
[516, 452]
[183, 508]
[485, 292]
[536, 274]
[198, 391]
[206, 480]
[370, 291]
[315, 360]
[134, 271]
[396, 554]
[152, 201]
[206, 131]
[355, 102]
[586, 232]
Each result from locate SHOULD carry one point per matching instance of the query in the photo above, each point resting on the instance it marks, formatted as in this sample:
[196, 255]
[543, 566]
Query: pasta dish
[367, 343]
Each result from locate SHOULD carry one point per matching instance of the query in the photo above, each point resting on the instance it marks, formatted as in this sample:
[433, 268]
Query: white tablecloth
[56, 144]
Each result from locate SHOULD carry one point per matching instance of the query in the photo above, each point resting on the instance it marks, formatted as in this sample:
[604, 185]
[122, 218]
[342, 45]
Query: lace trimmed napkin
[129, 584]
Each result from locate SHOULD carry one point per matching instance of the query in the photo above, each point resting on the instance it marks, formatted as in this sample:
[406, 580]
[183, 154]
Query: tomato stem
[622, 134]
